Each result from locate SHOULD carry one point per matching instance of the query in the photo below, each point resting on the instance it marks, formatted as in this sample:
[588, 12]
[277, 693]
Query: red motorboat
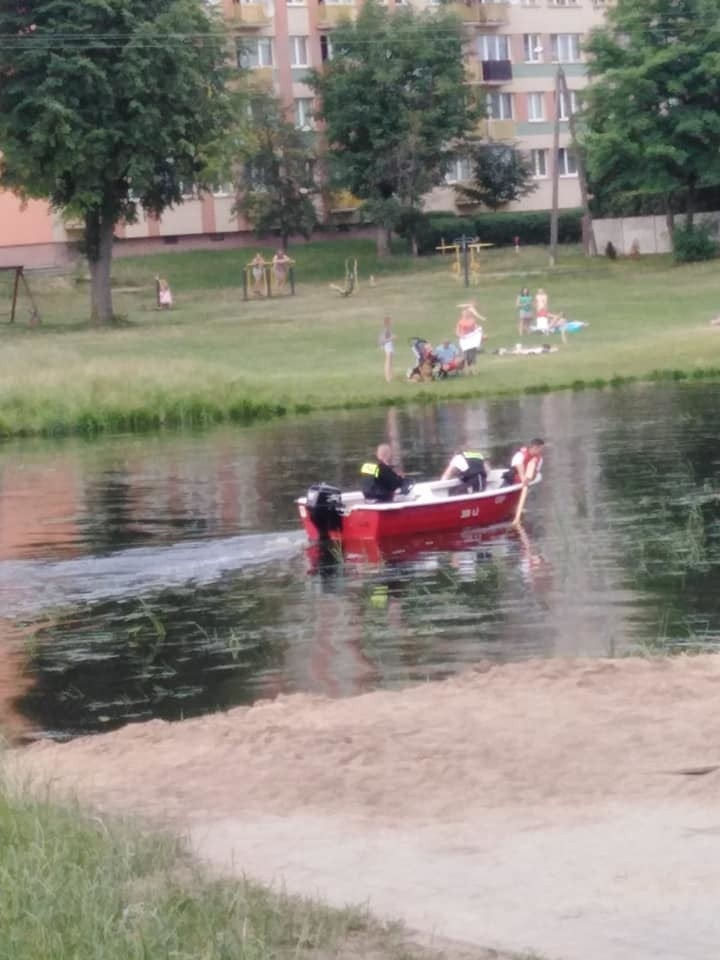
[329, 514]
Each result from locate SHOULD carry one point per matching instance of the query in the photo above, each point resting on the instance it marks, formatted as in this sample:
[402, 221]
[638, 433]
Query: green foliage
[394, 100]
[693, 242]
[651, 118]
[277, 182]
[499, 229]
[501, 174]
[107, 106]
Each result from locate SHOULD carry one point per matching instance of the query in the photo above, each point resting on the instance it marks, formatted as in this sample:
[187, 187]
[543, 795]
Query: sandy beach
[569, 808]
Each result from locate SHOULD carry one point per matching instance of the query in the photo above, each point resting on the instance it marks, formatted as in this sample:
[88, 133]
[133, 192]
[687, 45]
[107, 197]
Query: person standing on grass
[524, 304]
[164, 293]
[280, 264]
[468, 324]
[257, 269]
[386, 343]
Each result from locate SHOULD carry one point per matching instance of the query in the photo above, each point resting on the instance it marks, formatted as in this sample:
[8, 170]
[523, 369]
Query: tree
[651, 109]
[107, 106]
[394, 101]
[276, 182]
[501, 174]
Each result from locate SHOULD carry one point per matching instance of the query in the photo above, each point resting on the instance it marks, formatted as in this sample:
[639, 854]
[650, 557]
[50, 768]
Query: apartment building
[513, 49]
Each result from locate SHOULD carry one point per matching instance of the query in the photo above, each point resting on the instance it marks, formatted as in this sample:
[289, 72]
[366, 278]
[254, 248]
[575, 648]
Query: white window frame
[567, 162]
[493, 46]
[533, 47]
[504, 103]
[563, 113]
[256, 53]
[303, 107]
[298, 46]
[539, 163]
[459, 170]
[535, 99]
[565, 47]
[296, 3]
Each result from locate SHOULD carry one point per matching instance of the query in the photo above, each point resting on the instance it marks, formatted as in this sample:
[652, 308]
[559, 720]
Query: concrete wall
[649, 233]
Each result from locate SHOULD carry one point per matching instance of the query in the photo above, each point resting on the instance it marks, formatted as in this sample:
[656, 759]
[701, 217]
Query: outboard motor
[324, 507]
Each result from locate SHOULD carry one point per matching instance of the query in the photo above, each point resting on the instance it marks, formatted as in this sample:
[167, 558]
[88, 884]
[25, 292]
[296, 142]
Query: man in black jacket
[379, 479]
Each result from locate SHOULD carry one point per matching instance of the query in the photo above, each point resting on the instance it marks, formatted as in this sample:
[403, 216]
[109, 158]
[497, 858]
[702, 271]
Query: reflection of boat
[417, 545]
[436, 505]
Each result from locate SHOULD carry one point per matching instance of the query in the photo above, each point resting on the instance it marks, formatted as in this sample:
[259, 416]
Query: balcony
[495, 130]
[331, 15]
[495, 71]
[482, 14]
[251, 16]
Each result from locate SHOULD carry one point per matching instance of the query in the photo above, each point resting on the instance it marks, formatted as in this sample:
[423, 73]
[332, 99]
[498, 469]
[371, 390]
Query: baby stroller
[425, 362]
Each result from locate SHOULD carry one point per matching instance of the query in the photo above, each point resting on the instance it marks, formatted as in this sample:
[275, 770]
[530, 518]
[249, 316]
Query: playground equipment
[269, 288]
[20, 278]
[466, 260]
[351, 279]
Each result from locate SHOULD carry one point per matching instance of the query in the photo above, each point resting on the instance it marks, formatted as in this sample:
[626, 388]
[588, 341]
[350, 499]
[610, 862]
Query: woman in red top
[468, 323]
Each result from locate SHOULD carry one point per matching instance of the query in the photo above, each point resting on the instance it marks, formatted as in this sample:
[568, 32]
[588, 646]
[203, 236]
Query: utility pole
[559, 81]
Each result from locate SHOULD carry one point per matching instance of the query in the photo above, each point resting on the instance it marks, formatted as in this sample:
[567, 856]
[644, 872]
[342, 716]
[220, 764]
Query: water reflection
[166, 577]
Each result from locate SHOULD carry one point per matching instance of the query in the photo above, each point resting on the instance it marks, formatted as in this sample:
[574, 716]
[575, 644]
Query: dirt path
[570, 808]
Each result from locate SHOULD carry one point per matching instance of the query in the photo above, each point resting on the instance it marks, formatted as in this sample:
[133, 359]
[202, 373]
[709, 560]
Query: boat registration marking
[475, 512]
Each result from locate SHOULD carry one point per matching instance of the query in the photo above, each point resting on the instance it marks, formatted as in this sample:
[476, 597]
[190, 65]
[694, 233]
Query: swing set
[20, 278]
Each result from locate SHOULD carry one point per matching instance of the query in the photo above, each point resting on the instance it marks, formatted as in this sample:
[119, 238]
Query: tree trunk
[382, 241]
[285, 239]
[99, 241]
[414, 245]
[690, 207]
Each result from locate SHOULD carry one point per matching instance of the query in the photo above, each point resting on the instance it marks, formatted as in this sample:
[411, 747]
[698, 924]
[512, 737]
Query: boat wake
[29, 586]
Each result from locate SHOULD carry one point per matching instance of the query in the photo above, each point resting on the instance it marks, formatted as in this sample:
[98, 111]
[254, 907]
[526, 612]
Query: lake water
[167, 576]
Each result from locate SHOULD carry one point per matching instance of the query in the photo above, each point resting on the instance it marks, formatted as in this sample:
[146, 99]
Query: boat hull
[434, 507]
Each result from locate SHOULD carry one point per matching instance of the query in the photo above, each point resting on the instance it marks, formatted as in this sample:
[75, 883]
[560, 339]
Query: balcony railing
[253, 15]
[500, 130]
[482, 14]
[496, 71]
[332, 14]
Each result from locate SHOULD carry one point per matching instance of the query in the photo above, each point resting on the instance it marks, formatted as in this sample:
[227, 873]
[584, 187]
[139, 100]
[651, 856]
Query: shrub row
[499, 229]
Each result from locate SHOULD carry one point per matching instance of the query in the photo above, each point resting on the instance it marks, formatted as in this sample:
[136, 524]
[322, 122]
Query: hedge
[499, 229]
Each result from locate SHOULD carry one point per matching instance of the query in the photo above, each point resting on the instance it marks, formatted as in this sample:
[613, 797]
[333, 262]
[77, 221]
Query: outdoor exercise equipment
[351, 279]
[20, 278]
[466, 260]
[270, 290]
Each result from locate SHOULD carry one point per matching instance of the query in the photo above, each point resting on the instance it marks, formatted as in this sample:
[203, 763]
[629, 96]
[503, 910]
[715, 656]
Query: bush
[499, 229]
[693, 242]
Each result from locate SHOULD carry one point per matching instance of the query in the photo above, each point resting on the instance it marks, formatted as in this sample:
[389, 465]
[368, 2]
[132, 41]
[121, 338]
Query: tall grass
[76, 887]
[215, 358]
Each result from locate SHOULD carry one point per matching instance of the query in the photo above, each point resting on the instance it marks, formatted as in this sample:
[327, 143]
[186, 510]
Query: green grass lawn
[215, 357]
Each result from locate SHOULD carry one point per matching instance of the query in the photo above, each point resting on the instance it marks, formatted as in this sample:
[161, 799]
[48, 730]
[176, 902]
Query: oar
[520, 506]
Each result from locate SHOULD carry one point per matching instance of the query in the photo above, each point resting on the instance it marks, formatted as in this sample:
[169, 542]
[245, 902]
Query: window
[567, 165]
[459, 170]
[304, 113]
[538, 162]
[499, 106]
[254, 53]
[295, 3]
[493, 46]
[298, 51]
[533, 48]
[565, 47]
[326, 47]
[536, 107]
[563, 3]
[567, 109]
[223, 190]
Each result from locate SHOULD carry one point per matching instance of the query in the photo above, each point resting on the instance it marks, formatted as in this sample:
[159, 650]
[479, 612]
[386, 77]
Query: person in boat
[469, 467]
[380, 481]
[526, 463]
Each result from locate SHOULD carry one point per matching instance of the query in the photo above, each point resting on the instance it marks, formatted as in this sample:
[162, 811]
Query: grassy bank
[75, 886]
[216, 358]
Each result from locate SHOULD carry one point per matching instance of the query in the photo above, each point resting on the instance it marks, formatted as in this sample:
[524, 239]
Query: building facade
[512, 54]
